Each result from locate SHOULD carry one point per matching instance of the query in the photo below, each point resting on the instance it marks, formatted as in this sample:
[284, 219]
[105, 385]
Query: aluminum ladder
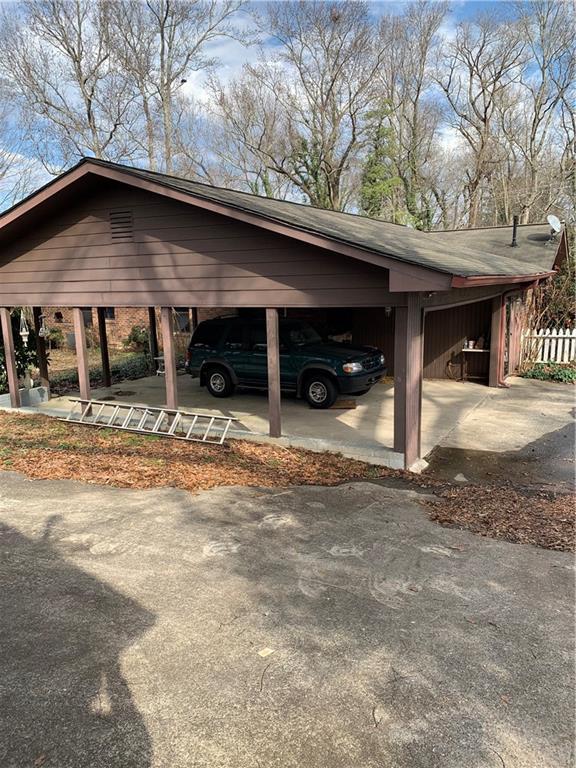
[165, 422]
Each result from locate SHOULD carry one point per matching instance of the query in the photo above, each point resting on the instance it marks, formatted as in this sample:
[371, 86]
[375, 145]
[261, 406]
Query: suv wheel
[320, 391]
[219, 382]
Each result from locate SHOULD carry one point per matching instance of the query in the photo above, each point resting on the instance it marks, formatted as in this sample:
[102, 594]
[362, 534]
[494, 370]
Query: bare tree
[410, 42]
[484, 59]
[531, 111]
[160, 44]
[55, 54]
[321, 80]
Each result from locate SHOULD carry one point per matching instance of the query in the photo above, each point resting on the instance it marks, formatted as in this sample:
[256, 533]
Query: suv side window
[258, 338]
[235, 338]
[207, 335]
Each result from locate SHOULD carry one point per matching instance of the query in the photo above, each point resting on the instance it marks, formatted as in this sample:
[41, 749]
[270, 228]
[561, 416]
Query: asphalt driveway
[308, 627]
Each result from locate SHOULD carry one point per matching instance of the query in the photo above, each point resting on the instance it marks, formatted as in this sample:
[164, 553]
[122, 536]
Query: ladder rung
[191, 427]
[128, 418]
[208, 428]
[225, 431]
[158, 421]
[85, 411]
[95, 419]
[114, 414]
[143, 419]
[174, 424]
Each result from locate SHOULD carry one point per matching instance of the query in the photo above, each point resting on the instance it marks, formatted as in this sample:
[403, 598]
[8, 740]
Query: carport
[104, 235]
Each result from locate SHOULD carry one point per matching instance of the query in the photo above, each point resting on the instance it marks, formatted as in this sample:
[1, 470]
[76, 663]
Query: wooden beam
[106, 375]
[408, 371]
[496, 342]
[81, 353]
[153, 337]
[169, 357]
[273, 356]
[10, 357]
[41, 348]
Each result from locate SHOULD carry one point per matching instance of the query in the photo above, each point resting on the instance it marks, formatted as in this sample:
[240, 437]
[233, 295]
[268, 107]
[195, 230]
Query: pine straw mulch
[43, 448]
[524, 516]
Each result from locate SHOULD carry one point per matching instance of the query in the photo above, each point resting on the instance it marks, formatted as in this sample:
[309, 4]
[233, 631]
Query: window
[182, 319]
[258, 338]
[109, 313]
[235, 337]
[207, 335]
[300, 334]
[87, 312]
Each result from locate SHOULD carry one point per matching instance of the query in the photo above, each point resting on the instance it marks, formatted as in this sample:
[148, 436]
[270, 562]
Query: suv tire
[320, 391]
[219, 382]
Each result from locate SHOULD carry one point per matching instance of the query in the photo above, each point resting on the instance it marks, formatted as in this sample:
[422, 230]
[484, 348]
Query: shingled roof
[465, 253]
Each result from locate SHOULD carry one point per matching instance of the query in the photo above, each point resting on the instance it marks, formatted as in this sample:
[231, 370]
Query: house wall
[125, 247]
[119, 327]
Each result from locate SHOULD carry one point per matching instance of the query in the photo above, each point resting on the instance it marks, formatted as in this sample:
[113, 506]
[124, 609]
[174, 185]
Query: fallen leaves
[43, 448]
[543, 518]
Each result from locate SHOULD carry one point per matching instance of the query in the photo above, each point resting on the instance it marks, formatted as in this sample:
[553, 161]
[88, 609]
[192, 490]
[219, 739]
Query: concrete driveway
[300, 628]
[365, 431]
[524, 435]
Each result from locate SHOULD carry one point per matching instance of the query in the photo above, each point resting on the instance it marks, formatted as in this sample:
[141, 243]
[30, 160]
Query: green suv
[230, 352]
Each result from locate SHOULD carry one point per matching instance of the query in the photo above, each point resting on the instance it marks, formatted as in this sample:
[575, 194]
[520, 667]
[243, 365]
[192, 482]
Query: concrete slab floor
[365, 432]
[297, 628]
[523, 434]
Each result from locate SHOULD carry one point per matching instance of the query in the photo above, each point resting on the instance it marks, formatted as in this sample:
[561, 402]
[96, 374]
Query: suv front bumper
[348, 385]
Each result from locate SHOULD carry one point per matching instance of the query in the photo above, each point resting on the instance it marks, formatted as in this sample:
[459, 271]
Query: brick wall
[121, 324]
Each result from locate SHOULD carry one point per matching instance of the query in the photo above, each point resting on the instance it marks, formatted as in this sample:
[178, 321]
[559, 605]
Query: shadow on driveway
[63, 698]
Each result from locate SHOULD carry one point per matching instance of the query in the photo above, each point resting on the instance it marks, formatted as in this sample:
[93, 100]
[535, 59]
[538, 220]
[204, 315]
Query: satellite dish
[555, 223]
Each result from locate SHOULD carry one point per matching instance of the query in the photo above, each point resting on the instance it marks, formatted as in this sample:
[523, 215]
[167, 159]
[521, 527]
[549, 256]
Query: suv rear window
[207, 335]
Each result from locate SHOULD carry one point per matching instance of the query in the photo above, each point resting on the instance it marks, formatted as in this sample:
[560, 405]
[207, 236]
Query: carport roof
[464, 254]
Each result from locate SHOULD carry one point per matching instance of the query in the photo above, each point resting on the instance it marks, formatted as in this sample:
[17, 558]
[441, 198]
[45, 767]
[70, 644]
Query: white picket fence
[549, 345]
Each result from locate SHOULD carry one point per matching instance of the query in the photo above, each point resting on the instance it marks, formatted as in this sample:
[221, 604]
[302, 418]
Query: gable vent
[121, 225]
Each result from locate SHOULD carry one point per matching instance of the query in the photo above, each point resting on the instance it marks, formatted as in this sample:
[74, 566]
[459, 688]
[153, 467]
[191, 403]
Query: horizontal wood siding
[373, 328]
[444, 334]
[165, 253]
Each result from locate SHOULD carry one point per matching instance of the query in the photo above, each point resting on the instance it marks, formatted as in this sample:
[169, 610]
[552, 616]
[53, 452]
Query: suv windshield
[300, 334]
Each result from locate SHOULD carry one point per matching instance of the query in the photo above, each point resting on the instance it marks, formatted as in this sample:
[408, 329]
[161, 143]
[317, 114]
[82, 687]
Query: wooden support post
[496, 342]
[101, 312]
[81, 353]
[408, 365]
[10, 357]
[153, 337]
[169, 357]
[273, 354]
[41, 348]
